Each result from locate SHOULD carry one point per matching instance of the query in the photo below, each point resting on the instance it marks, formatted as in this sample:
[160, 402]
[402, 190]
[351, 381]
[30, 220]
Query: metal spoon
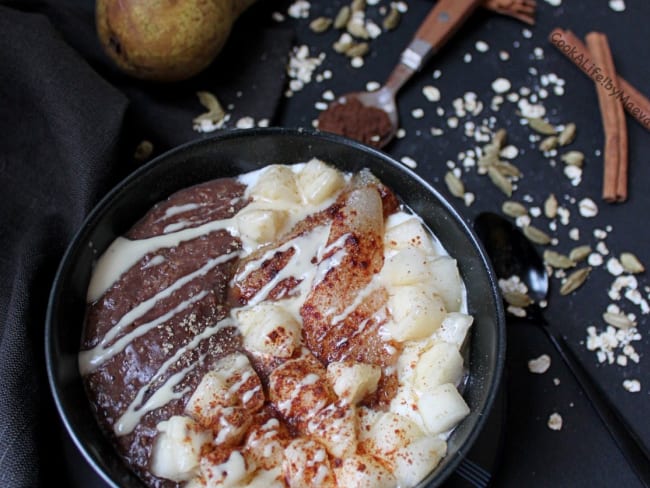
[512, 254]
[438, 26]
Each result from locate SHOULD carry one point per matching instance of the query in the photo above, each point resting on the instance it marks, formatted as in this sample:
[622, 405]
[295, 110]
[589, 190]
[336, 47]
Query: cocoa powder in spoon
[353, 119]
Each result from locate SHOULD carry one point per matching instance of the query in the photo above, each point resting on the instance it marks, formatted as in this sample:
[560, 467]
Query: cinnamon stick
[611, 112]
[634, 102]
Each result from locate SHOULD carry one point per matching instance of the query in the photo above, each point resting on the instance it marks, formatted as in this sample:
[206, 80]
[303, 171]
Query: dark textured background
[70, 123]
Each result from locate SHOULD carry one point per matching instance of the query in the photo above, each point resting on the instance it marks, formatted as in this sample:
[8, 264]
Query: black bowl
[230, 154]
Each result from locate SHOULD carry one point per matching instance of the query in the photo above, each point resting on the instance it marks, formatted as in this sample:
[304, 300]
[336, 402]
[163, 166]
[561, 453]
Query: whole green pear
[165, 40]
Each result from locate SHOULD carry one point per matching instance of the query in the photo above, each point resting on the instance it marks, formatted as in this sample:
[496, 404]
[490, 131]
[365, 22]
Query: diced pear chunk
[442, 408]
[414, 461]
[408, 233]
[306, 464]
[353, 381]
[265, 444]
[231, 383]
[228, 474]
[387, 433]
[335, 427]
[407, 267]
[264, 478]
[416, 310]
[261, 225]
[276, 183]
[317, 181]
[298, 388]
[177, 448]
[269, 328]
[442, 363]
[447, 282]
[361, 471]
[454, 328]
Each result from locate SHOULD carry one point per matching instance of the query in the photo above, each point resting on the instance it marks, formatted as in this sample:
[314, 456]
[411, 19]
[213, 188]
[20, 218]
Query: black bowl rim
[105, 202]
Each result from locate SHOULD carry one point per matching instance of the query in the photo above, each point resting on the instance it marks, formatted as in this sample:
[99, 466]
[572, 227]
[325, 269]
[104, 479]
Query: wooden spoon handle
[438, 26]
[444, 20]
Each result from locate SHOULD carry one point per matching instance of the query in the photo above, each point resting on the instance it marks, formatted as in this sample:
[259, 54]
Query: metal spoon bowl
[512, 254]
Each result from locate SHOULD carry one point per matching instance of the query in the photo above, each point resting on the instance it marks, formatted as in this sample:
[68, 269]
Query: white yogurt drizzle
[177, 209]
[91, 359]
[124, 253]
[161, 397]
[135, 411]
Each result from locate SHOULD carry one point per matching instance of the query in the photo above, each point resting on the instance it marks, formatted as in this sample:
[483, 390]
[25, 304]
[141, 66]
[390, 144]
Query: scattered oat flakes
[614, 267]
[299, 9]
[555, 421]
[501, 85]
[481, 46]
[617, 5]
[417, 113]
[431, 93]
[588, 207]
[408, 161]
[539, 365]
[373, 86]
[595, 259]
[633, 386]
[356, 62]
[245, 123]
[301, 68]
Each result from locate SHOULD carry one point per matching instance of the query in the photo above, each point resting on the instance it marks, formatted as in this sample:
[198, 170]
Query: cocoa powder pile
[353, 119]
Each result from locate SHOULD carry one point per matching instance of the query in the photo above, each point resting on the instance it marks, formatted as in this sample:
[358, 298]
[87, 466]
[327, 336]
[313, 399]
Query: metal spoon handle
[436, 29]
[628, 442]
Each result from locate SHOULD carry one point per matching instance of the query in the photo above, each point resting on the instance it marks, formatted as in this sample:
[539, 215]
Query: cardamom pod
[517, 299]
[143, 151]
[499, 138]
[489, 156]
[500, 181]
[357, 29]
[551, 206]
[343, 17]
[513, 209]
[507, 169]
[579, 253]
[209, 101]
[359, 49]
[618, 320]
[631, 263]
[541, 126]
[573, 158]
[391, 21]
[567, 135]
[558, 260]
[536, 235]
[320, 24]
[342, 46]
[575, 280]
[548, 144]
[358, 5]
[454, 184]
